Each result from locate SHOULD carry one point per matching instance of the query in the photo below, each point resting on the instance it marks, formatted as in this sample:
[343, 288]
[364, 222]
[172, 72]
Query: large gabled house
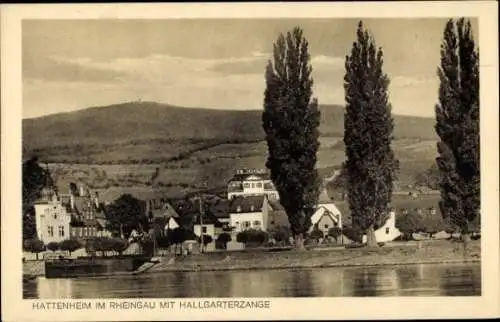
[249, 212]
[74, 215]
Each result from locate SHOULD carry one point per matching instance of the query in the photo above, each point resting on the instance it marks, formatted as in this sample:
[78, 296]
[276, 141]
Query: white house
[52, 218]
[249, 212]
[251, 182]
[325, 217]
[388, 232]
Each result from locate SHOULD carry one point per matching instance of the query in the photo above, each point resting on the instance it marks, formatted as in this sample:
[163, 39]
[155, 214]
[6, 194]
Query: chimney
[82, 191]
[72, 201]
[96, 199]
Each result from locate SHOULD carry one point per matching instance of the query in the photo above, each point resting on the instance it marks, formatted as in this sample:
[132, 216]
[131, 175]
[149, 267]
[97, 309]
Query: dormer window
[238, 209]
[252, 208]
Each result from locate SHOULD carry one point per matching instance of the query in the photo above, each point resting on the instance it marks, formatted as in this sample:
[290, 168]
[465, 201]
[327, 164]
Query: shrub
[70, 245]
[353, 234]
[253, 237]
[316, 235]
[280, 233]
[335, 232]
[53, 246]
[223, 239]
[118, 245]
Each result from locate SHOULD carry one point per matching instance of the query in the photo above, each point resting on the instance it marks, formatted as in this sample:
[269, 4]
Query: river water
[411, 280]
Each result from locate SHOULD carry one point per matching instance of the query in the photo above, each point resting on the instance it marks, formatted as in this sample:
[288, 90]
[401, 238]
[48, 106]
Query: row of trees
[36, 246]
[291, 121]
[414, 222]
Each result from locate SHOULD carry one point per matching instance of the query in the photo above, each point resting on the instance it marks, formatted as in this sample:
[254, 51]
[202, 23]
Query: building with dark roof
[249, 212]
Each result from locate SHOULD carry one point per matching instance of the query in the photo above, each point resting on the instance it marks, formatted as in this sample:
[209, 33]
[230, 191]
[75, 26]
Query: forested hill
[143, 121]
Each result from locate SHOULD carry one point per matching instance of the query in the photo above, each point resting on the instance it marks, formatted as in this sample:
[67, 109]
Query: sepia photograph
[224, 162]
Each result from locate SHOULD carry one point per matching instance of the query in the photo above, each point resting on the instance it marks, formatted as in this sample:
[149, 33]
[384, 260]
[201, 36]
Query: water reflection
[426, 280]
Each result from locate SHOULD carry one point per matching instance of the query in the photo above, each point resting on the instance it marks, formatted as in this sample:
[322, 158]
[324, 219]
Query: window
[73, 232]
[326, 226]
[61, 231]
[55, 216]
[256, 224]
[387, 231]
[51, 231]
[204, 229]
[259, 185]
[246, 224]
[246, 185]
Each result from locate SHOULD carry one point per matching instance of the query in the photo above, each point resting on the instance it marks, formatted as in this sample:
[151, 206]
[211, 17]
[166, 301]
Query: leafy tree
[179, 235]
[125, 214]
[410, 223]
[35, 178]
[223, 239]
[53, 246]
[368, 125]
[433, 223]
[163, 241]
[70, 245]
[207, 239]
[457, 125]
[291, 123]
[34, 246]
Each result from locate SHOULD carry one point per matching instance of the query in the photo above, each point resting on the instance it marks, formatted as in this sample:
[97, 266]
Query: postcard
[250, 161]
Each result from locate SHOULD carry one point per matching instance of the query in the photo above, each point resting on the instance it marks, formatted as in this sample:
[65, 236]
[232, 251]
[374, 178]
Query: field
[151, 149]
[216, 165]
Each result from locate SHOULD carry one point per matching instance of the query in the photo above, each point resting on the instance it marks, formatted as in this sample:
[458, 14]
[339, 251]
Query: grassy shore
[424, 252]
[390, 254]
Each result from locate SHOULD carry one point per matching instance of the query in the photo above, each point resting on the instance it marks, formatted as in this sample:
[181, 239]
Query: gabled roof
[161, 208]
[247, 204]
[328, 210]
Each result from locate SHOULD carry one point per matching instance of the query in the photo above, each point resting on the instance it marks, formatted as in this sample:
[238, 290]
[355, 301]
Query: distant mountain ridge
[142, 121]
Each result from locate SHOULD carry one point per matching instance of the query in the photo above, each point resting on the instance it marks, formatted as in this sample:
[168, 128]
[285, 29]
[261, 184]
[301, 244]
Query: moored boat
[93, 266]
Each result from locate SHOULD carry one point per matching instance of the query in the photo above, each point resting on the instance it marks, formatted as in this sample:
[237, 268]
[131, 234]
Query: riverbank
[424, 252]
[432, 252]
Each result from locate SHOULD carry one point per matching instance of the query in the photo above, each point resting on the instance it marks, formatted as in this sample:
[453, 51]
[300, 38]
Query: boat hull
[91, 266]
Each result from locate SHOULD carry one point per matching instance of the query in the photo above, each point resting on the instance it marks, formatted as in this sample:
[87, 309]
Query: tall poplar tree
[368, 125]
[457, 124]
[291, 121]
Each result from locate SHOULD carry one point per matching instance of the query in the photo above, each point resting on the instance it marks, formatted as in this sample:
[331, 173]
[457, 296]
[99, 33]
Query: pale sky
[74, 64]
